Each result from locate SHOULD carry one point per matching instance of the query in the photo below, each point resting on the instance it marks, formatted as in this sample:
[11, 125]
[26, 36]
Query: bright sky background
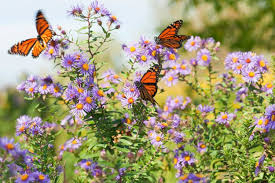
[17, 23]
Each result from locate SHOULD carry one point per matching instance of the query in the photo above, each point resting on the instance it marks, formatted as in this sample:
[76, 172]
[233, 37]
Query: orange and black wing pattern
[169, 38]
[147, 86]
[37, 45]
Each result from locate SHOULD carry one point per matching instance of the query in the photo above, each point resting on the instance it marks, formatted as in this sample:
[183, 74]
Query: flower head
[204, 57]
[193, 43]
[224, 118]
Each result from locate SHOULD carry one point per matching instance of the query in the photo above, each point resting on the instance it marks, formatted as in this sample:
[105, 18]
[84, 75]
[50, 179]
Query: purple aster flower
[40, 177]
[144, 42]
[75, 11]
[151, 122]
[204, 57]
[71, 92]
[250, 76]
[193, 62]
[44, 88]
[52, 52]
[99, 9]
[84, 67]
[232, 60]
[25, 177]
[237, 68]
[21, 86]
[268, 88]
[224, 118]
[185, 103]
[271, 169]
[201, 147]
[171, 78]
[171, 56]
[9, 145]
[259, 165]
[205, 108]
[14, 169]
[56, 89]
[111, 76]
[22, 124]
[68, 62]
[143, 58]
[174, 66]
[87, 100]
[175, 121]
[99, 94]
[31, 88]
[261, 63]
[156, 139]
[193, 43]
[113, 19]
[178, 137]
[184, 69]
[259, 123]
[249, 60]
[128, 99]
[72, 144]
[194, 178]
[185, 159]
[270, 113]
[132, 51]
[241, 93]
[86, 164]
[78, 109]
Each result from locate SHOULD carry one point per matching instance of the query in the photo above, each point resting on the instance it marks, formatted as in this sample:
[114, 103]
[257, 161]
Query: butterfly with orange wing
[37, 45]
[169, 38]
[147, 86]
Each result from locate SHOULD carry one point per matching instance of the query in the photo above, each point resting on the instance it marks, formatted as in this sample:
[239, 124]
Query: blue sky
[137, 17]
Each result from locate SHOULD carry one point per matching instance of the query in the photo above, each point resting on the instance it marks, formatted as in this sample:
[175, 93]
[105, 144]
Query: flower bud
[63, 32]
[117, 27]
[99, 22]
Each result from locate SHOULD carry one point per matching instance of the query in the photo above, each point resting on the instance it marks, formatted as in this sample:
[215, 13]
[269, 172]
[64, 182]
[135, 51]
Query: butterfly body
[169, 37]
[38, 44]
[147, 86]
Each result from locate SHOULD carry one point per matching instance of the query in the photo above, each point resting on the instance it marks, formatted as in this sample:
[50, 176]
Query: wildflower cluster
[221, 127]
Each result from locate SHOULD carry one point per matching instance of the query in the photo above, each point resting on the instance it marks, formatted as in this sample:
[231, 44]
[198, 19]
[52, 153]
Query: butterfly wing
[171, 30]
[41, 23]
[174, 42]
[37, 49]
[23, 47]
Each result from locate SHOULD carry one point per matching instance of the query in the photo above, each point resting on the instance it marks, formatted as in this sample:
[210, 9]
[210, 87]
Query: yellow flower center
[257, 164]
[80, 90]
[199, 175]
[174, 67]
[176, 100]
[132, 89]
[262, 63]
[204, 58]
[267, 121]
[79, 106]
[51, 51]
[192, 43]
[190, 181]
[22, 128]
[24, 177]
[77, 57]
[239, 67]
[88, 163]
[74, 141]
[62, 147]
[165, 108]
[183, 67]
[224, 116]
[89, 100]
[158, 138]
[85, 66]
[31, 151]
[56, 89]
[143, 58]
[114, 18]
[170, 78]
[31, 89]
[128, 121]
[97, 9]
[184, 177]
[116, 76]
[235, 59]
[70, 62]
[146, 42]
[260, 122]
[130, 100]
[44, 87]
[132, 49]
[175, 160]
[172, 57]
[247, 60]
[202, 146]
[41, 177]
[187, 158]
[9, 146]
[164, 124]
[269, 85]
[251, 74]
[273, 117]
[154, 53]
[100, 93]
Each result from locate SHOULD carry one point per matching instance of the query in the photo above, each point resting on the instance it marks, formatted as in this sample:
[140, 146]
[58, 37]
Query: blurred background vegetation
[239, 25]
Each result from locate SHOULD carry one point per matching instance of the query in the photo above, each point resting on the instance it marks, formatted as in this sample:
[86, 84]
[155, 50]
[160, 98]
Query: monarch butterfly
[169, 38]
[36, 44]
[147, 86]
